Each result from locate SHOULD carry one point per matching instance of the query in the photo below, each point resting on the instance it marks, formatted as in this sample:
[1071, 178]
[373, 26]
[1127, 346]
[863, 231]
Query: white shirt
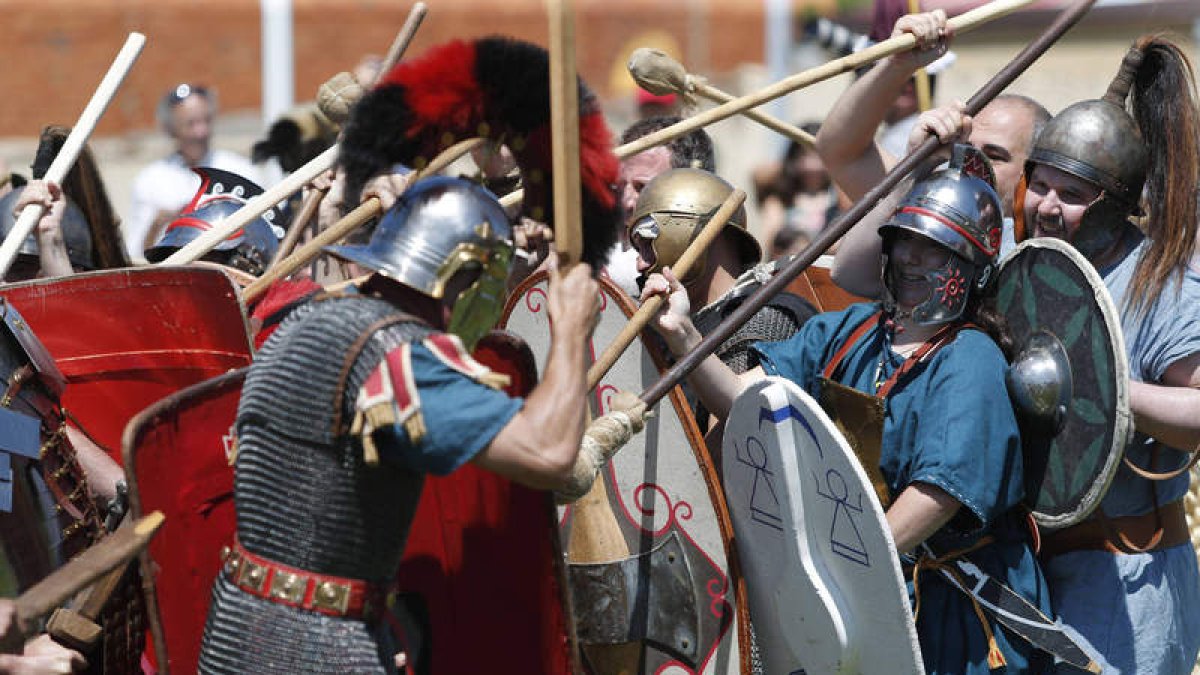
[168, 185]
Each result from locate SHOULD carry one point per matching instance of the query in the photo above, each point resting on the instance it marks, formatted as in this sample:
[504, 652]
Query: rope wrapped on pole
[794, 267]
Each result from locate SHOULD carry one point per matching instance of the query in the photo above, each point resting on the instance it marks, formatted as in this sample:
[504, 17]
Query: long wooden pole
[839, 227]
[962, 23]
[564, 125]
[259, 205]
[65, 159]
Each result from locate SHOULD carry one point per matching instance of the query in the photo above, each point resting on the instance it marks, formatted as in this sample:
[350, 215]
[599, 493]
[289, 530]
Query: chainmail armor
[778, 320]
[305, 496]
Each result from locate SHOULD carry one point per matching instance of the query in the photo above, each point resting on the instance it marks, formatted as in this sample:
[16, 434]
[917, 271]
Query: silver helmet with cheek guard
[958, 208]
[437, 228]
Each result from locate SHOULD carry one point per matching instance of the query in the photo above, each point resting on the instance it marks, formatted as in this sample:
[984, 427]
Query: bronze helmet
[671, 211]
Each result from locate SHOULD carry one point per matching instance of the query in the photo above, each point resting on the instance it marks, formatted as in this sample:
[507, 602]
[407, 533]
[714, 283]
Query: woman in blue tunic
[918, 381]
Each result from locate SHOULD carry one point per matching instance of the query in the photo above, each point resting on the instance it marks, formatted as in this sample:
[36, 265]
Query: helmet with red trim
[958, 208]
[222, 193]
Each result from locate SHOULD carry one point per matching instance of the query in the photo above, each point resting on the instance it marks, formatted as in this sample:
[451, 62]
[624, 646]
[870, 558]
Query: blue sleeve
[802, 357]
[461, 418]
[964, 431]
[1172, 332]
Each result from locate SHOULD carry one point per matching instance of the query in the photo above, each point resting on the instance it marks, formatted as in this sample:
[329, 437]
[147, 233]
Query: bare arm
[847, 137]
[538, 446]
[715, 383]
[1170, 411]
[919, 511]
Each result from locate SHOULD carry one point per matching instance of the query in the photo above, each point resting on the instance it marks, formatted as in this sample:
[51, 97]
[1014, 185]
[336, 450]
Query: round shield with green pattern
[1068, 379]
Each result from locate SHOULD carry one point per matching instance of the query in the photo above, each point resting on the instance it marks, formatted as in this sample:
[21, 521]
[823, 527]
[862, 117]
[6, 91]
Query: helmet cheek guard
[956, 207]
[438, 228]
[680, 203]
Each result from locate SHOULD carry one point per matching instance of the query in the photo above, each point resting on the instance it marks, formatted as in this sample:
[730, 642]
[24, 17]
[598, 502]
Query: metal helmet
[674, 207]
[1099, 142]
[958, 208]
[438, 227]
[221, 194]
[77, 235]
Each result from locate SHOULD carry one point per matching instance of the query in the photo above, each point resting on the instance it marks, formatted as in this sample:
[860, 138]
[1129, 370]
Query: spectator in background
[160, 190]
[796, 200]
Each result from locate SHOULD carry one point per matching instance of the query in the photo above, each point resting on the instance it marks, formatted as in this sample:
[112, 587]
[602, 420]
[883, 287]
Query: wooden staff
[659, 74]
[71, 148]
[921, 77]
[312, 204]
[962, 23]
[649, 308]
[564, 125]
[259, 205]
[794, 267]
[108, 554]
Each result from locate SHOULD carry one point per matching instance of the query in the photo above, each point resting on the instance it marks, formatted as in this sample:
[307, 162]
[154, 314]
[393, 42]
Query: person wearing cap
[186, 114]
[927, 365]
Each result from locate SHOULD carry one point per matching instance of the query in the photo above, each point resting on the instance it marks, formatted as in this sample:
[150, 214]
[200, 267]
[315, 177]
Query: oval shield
[1057, 306]
[823, 577]
[663, 595]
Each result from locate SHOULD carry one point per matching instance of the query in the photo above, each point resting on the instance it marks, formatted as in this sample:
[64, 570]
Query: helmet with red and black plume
[497, 88]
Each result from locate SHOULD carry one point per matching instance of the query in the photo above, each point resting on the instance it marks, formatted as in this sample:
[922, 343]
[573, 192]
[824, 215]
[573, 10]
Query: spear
[794, 267]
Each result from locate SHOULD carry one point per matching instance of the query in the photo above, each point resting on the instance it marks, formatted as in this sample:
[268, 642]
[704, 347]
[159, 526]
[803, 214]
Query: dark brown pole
[794, 267]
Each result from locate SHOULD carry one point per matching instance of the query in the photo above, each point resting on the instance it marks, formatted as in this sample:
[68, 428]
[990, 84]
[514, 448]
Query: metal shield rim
[1123, 422]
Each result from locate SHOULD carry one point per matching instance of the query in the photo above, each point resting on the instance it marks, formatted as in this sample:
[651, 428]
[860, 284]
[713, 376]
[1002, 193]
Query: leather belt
[1160, 529]
[322, 593]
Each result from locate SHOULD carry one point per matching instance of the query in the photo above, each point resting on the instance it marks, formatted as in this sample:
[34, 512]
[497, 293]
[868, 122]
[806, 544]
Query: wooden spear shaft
[650, 307]
[1067, 18]
[73, 145]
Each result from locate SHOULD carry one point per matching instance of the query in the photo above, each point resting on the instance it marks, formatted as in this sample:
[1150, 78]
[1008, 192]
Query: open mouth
[1051, 228]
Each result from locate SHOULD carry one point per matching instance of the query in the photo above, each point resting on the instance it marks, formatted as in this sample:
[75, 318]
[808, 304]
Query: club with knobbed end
[962, 23]
[109, 553]
[259, 205]
[686, 364]
[73, 144]
[645, 313]
[659, 74]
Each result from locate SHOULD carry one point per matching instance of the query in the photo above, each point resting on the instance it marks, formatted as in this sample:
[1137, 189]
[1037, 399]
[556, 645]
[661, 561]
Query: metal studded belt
[329, 595]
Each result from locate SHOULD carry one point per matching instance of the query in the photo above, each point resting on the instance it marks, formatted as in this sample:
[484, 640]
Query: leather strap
[1162, 528]
[285, 585]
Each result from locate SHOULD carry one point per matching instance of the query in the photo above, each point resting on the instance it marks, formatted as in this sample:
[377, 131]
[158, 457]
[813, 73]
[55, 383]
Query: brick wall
[58, 50]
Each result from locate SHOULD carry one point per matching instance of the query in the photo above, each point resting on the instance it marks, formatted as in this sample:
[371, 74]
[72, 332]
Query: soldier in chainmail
[670, 212]
[351, 402]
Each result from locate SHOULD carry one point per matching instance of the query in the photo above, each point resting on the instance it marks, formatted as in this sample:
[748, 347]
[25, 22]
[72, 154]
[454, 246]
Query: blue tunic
[949, 424]
[1140, 611]
[461, 417]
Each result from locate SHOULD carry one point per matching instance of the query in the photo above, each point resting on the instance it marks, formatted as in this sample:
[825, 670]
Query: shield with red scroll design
[675, 594]
[126, 338]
